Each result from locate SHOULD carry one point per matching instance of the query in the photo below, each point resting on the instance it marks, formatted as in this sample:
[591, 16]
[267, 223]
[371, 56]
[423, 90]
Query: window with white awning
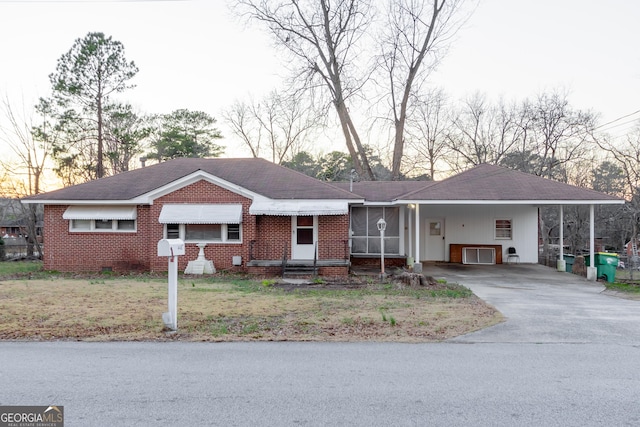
[100, 212]
[201, 214]
[210, 223]
[101, 218]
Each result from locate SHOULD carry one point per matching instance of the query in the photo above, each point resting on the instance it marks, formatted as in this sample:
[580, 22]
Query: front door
[435, 239]
[304, 236]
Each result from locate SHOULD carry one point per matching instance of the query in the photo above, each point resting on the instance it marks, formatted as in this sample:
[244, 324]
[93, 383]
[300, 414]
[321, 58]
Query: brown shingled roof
[383, 191]
[256, 175]
[494, 183]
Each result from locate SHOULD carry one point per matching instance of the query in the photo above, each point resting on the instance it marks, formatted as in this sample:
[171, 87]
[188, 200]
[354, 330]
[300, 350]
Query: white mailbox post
[171, 248]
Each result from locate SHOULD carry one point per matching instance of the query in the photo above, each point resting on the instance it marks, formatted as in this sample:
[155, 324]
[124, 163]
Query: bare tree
[27, 169]
[241, 118]
[626, 156]
[558, 133]
[330, 39]
[414, 39]
[277, 127]
[30, 154]
[426, 132]
[484, 133]
[323, 36]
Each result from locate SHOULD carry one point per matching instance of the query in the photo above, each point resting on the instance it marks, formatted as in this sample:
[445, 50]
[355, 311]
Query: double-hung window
[101, 219]
[204, 233]
[504, 229]
[203, 223]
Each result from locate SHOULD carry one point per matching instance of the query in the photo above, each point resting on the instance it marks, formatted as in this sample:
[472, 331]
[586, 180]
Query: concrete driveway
[542, 305]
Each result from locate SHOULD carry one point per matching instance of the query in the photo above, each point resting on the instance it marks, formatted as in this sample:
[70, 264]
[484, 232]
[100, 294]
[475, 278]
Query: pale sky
[192, 54]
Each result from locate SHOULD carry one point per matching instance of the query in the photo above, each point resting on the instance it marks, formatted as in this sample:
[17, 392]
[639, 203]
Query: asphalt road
[274, 384]
[521, 375]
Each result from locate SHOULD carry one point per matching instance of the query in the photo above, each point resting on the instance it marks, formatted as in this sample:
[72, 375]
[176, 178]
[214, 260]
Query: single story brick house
[253, 214]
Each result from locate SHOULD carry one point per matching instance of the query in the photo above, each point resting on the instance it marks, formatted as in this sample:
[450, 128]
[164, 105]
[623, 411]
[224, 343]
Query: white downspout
[592, 272]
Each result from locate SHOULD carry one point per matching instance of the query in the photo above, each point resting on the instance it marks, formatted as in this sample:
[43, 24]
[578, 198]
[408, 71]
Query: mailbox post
[171, 248]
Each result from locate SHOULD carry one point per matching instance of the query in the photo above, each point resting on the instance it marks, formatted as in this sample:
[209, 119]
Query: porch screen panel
[392, 216]
[372, 222]
[392, 232]
[391, 245]
[359, 229]
[359, 221]
[374, 246]
[359, 245]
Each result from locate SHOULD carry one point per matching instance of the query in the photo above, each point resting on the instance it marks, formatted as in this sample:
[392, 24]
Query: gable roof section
[252, 175]
[494, 184]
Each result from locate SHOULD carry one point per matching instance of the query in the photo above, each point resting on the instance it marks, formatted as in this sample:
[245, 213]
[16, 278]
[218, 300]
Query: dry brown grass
[130, 309]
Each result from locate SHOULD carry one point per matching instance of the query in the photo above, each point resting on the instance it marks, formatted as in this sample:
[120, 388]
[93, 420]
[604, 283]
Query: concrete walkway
[542, 305]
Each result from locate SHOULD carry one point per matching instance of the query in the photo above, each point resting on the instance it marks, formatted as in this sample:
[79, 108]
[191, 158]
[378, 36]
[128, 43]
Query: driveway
[542, 305]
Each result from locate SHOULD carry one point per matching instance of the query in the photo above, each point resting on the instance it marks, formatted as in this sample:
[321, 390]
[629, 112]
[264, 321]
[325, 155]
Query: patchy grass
[21, 268]
[632, 288]
[103, 308]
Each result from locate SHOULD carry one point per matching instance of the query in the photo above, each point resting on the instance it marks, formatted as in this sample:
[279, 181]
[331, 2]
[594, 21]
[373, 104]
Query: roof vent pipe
[143, 161]
[353, 175]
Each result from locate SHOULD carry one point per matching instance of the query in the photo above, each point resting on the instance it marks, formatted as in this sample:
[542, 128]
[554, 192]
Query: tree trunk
[99, 164]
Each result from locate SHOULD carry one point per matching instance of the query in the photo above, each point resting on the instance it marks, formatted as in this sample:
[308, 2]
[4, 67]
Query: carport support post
[592, 271]
[562, 264]
[417, 267]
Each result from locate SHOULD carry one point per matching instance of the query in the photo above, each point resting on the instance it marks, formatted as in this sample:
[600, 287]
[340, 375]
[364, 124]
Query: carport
[467, 210]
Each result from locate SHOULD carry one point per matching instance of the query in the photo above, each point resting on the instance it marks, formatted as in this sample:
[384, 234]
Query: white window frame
[224, 231]
[510, 228]
[93, 229]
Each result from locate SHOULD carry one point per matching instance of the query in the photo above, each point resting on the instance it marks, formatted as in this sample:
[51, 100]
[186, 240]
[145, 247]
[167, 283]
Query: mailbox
[170, 247]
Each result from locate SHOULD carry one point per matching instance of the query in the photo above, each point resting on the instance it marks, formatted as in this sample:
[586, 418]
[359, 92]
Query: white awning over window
[201, 214]
[100, 212]
[299, 207]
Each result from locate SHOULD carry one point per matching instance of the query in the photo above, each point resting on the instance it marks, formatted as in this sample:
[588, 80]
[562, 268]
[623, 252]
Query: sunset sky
[193, 54]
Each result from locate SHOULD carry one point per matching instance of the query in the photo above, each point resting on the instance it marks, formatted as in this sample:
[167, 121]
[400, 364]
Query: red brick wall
[86, 251]
[275, 233]
[333, 235]
[90, 251]
[220, 253]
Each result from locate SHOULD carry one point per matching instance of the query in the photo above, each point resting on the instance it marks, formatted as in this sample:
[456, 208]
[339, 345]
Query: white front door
[434, 229]
[304, 236]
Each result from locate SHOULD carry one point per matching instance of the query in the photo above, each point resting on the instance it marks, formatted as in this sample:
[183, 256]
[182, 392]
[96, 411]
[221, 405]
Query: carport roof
[488, 183]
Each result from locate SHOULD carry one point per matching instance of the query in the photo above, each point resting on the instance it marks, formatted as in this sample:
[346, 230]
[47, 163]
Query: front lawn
[47, 306]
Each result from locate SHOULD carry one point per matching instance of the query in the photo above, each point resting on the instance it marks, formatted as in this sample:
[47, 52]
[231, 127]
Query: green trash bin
[568, 262]
[606, 264]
